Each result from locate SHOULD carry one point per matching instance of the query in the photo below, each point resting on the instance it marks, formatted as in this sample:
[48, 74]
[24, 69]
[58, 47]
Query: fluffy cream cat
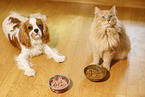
[108, 37]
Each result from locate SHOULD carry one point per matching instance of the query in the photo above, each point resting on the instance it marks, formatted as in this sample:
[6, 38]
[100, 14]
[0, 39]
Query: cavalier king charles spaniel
[30, 35]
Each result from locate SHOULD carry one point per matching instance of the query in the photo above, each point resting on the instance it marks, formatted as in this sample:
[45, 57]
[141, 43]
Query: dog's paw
[31, 64]
[30, 72]
[59, 59]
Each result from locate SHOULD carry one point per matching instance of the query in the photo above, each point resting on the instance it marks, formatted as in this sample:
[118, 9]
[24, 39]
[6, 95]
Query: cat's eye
[110, 16]
[103, 17]
[30, 27]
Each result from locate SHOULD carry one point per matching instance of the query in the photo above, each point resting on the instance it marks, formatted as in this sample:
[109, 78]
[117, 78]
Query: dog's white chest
[37, 48]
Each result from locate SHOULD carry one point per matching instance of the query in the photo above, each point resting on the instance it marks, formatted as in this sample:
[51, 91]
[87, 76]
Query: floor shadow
[106, 77]
[71, 85]
[113, 62]
[108, 73]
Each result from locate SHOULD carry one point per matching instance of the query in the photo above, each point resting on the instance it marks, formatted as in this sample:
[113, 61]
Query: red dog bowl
[59, 83]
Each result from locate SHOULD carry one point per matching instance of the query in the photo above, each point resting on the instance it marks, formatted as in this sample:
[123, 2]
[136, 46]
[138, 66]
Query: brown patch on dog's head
[44, 30]
[14, 41]
[15, 21]
[24, 34]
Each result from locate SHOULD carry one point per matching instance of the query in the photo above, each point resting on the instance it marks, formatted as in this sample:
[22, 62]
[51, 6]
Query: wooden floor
[69, 25]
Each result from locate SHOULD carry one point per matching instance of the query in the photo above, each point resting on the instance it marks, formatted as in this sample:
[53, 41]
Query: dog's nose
[36, 30]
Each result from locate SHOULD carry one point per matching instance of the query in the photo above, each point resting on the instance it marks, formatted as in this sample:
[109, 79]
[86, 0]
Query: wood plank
[69, 25]
[120, 3]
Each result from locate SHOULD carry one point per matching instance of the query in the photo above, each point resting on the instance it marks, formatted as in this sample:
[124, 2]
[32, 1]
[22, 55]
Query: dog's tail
[9, 23]
[14, 14]
[18, 16]
[39, 16]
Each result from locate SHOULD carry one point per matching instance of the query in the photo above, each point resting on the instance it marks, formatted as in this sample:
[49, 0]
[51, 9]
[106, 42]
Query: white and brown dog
[31, 36]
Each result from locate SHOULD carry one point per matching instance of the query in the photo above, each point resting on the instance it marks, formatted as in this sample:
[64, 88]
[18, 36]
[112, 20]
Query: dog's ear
[45, 34]
[24, 35]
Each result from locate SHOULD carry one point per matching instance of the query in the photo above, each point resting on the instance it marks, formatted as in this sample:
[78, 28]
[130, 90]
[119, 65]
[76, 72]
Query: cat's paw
[59, 59]
[30, 72]
[93, 63]
[107, 67]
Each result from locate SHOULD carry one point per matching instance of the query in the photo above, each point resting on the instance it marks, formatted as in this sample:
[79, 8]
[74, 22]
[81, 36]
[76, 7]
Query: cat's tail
[136, 33]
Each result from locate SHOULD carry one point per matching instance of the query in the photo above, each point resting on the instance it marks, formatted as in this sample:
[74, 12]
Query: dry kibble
[94, 73]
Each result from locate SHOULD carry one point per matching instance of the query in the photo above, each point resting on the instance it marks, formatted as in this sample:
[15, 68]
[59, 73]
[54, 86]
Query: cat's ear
[97, 10]
[113, 10]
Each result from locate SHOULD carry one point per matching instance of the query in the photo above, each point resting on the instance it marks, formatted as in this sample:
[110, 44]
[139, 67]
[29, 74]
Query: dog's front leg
[23, 63]
[53, 54]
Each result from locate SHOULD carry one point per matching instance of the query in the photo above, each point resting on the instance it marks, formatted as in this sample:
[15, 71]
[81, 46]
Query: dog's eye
[39, 25]
[29, 27]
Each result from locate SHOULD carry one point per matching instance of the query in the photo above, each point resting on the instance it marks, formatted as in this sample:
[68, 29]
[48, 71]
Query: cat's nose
[108, 20]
